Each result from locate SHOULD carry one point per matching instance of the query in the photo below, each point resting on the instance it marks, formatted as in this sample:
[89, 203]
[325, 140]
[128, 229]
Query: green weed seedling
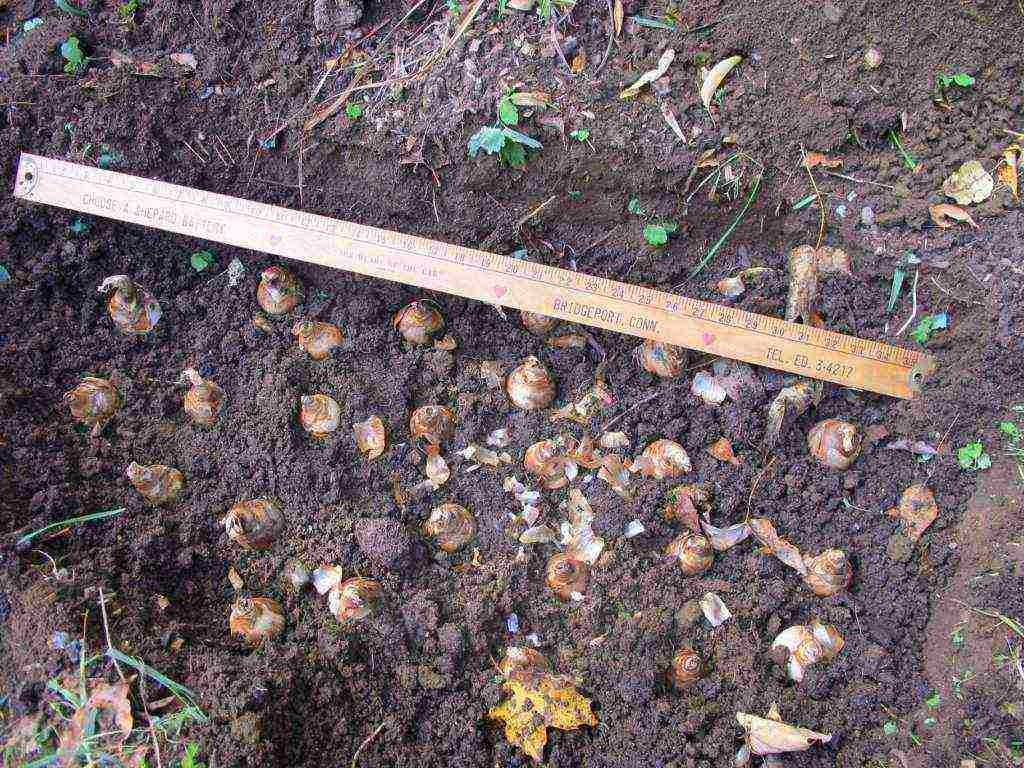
[961, 79]
[510, 146]
[75, 60]
[928, 325]
[127, 10]
[191, 753]
[200, 260]
[972, 457]
[657, 234]
[353, 111]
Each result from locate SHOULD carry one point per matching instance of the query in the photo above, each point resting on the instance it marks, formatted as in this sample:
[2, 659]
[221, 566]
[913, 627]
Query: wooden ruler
[437, 266]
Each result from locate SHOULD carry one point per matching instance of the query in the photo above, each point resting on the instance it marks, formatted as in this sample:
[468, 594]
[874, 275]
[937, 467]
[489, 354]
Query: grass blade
[897, 286]
[179, 690]
[24, 540]
[725, 235]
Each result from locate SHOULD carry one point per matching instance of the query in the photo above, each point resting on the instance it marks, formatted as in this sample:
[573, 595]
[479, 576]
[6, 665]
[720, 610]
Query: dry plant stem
[753, 486]
[534, 212]
[557, 45]
[821, 202]
[366, 742]
[859, 181]
[913, 312]
[611, 37]
[106, 631]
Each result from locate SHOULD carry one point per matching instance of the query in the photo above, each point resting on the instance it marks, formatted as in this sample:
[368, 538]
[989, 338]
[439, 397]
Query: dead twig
[557, 45]
[611, 37]
[753, 486]
[817, 192]
[366, 742]
[913, 312]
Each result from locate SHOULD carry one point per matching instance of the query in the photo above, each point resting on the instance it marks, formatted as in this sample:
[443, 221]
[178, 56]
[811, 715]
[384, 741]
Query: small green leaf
[513, 154]
[489, 139]
[575, 194]
[580, 134]
[31, 24]
[201, 260]
[67, 7]
[890, 728]
[657, 234]
[933, 701]
[963, 79]
[5, 276]
[984, 461]
[507, 112]
[522, 138]
[930, 722]
[353, 111]
[1009, 428]
[79, 226]
[635, 207]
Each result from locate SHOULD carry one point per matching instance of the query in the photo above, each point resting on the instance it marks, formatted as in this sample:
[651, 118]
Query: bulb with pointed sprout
[319, 414]
[157, 483]
[432, 422]
[828, 573]
[132, 308]
[254, 524]
[451, 526]
[662, 459]
[835, 443]
[693, 552]
[203, 399]
[530, 386]
[256, 619]
[316, 339]
[354, 599]
[686, 668]
[800, 646]
[279, 291]
[539, 325]
[418, 322]
[93, 402]
[567, 577]
[663, 360]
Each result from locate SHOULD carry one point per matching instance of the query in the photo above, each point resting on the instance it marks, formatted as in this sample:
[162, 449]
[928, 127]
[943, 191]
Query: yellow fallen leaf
[1009, 168]
[971, 183]
[943, 212]
[536, 702]
[651, 75]
[715, 77]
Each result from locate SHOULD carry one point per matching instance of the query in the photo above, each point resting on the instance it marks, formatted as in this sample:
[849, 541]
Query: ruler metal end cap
[27, 177]
[923, 370]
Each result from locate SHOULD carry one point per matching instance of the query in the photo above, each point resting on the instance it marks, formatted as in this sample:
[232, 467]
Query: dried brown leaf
[538, 702]
[787, 552]
[1008, 170]
[971, 183]
[651, 75]
[943, 213]
[917, 510]
[715, 77]
[618, 14]
[721, 449]
[813, 159]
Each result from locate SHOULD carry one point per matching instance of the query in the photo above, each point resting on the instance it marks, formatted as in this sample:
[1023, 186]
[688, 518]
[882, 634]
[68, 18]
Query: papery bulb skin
[157, 483]
[687, 667]
[319, 415]
[451, 526]
[418, 322]
[93, 402]
[256, 619]
[530, 386]
[835, 443]
[203, 399]
[567, 576]
[693, 552]
[317, 339]
[254, 524]
[279, 292]
[354, 599]
[665, 361]
[828, 573]
[133, 309]
[433, 423]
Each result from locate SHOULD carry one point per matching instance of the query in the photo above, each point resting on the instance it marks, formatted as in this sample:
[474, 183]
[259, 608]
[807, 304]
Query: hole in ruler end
[920, 373]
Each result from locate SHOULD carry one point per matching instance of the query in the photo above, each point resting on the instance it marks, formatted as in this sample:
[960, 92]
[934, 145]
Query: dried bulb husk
[725, 538]
[520, 662]
[354, 599]
[317, 339]
[157, 483]
[93, 402]
[687, 667]
[771, 737]
[295, 575]
[539, 325]
[828, 573]
[917, 510]
[451, 526]
[548, 460]
[418, 322]
[714, 609]
[692, 551]
[279, 291]
[319, 414]
[835, 443]
[663, 360]
[254, 524]
[802, 302]
[370, 436]
[132, 308]
[786, 551]
[686, 503]
[567, 576]
[801, 646]
[788, 404]
[256, 619]
[530, 386]
[662, 459]
[327, 577]
[203, 400]
[433, 423]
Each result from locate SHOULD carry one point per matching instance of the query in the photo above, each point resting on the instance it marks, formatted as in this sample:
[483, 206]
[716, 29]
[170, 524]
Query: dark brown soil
[423, 664]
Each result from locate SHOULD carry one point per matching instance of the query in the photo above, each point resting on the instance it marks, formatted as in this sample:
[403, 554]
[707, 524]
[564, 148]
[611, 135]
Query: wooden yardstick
[437, 266]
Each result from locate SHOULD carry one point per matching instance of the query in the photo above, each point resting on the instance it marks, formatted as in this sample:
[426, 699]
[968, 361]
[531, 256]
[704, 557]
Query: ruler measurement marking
[421, 262]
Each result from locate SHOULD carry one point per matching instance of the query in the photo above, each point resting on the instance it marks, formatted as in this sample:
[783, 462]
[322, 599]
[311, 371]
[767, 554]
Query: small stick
[611, 37]
[201, 158]
[821, 202]
[535, 211]
[558, 47]
[366, 742]
[859, 181]
[753, 487]
[225, 146]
